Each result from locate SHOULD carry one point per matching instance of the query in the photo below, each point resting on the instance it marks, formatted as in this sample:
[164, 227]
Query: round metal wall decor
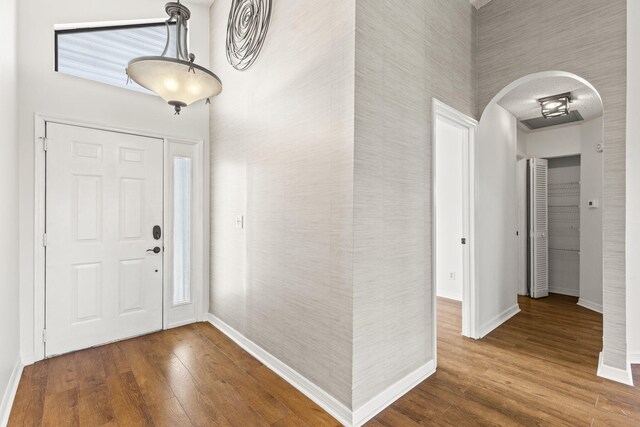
[246, 31]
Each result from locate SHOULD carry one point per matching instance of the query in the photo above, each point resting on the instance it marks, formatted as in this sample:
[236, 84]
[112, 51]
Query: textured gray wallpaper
[587, 38]
[325, 146]
[407, 53]
[283, 151]
[282, 154]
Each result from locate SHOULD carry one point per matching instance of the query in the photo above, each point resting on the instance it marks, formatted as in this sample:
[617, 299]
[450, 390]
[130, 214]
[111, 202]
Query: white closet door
[539, 223]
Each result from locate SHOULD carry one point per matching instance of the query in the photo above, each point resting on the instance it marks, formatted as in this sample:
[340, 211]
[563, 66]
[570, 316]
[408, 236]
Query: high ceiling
[522, 102]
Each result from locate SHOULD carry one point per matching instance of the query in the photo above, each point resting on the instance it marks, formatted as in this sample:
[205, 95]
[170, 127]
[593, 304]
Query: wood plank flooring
[536, 369]
[194, 375]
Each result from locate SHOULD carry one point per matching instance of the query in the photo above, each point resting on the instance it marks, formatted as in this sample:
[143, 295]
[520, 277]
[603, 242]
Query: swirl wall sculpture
[246, 31]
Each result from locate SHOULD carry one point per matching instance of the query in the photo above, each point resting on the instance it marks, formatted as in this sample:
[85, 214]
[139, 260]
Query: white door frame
[198, 235]
[470, 311]
[39, 219]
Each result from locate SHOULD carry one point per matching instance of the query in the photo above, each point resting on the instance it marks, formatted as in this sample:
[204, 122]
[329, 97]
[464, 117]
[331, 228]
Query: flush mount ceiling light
[556, 105]
[179, 81]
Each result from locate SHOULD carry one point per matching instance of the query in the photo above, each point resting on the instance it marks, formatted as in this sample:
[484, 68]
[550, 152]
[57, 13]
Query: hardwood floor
[536, 369]
[194, 375]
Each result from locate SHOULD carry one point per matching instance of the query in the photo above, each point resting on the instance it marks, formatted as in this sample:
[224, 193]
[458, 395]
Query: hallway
[539, 368]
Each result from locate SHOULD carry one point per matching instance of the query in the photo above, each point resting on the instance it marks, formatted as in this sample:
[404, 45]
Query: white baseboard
[565, 291]
[623, 376]
[29, 360]
[327, 402]
[633, 358]
[10, 393]
[391, 394]
[590, 305]
[499, 320]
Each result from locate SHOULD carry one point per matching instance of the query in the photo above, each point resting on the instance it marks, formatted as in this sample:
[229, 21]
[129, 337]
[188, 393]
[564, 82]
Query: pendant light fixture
[179, 81]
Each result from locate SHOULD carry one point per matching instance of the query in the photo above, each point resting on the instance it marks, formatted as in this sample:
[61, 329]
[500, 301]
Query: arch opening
[574, 151]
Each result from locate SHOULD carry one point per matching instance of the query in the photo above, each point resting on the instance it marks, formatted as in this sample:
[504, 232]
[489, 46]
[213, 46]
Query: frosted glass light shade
[555, 106]
[178, 82]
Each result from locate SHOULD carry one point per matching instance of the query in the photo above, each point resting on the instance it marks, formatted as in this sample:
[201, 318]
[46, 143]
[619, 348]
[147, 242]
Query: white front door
[104, 195]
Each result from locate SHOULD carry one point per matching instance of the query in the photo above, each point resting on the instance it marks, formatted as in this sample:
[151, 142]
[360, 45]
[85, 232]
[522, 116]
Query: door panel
[539, 234]
[104, 196]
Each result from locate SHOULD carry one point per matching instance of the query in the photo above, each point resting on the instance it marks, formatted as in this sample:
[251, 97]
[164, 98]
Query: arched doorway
[498, 232]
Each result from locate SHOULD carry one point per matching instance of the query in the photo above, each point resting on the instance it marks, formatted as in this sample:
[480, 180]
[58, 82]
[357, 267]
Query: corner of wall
[394, 392]
[623, 376]
[633, 183]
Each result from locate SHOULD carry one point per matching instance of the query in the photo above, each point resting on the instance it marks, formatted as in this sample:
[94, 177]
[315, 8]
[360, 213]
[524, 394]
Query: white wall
[450, 141]
[496, 240]
[554, 142]
[521, 148]
[564, 242]
[46, 92]
[591, 164]
[9, 276]
[633, 180]
[580, 139]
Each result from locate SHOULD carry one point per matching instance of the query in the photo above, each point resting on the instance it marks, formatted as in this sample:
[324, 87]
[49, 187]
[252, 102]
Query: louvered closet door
[539, 232]
[104, 196]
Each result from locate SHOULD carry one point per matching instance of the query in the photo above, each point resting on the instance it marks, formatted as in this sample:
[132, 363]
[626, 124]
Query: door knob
[155, 250]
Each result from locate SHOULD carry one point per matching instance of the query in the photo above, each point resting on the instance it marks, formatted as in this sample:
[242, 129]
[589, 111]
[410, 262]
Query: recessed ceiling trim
[541, 122]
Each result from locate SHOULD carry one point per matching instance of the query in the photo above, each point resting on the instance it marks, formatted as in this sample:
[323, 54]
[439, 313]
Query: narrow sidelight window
[181, 230]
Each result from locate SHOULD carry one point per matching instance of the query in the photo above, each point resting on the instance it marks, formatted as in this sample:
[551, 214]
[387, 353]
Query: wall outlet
[452, 276]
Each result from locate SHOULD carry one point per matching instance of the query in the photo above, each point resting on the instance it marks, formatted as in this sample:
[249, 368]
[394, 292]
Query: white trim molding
[499, 320]
[623, 376]
[469, 297]
[590, 305]
[633, 358]
[323, 399]
[393, 393]
[10, 393]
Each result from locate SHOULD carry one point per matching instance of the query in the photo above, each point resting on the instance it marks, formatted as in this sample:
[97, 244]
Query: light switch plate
[240, 221]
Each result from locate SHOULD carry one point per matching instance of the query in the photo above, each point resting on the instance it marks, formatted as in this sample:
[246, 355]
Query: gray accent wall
[332, 272]
[406, 55]
[588, 38]
[282, 156]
